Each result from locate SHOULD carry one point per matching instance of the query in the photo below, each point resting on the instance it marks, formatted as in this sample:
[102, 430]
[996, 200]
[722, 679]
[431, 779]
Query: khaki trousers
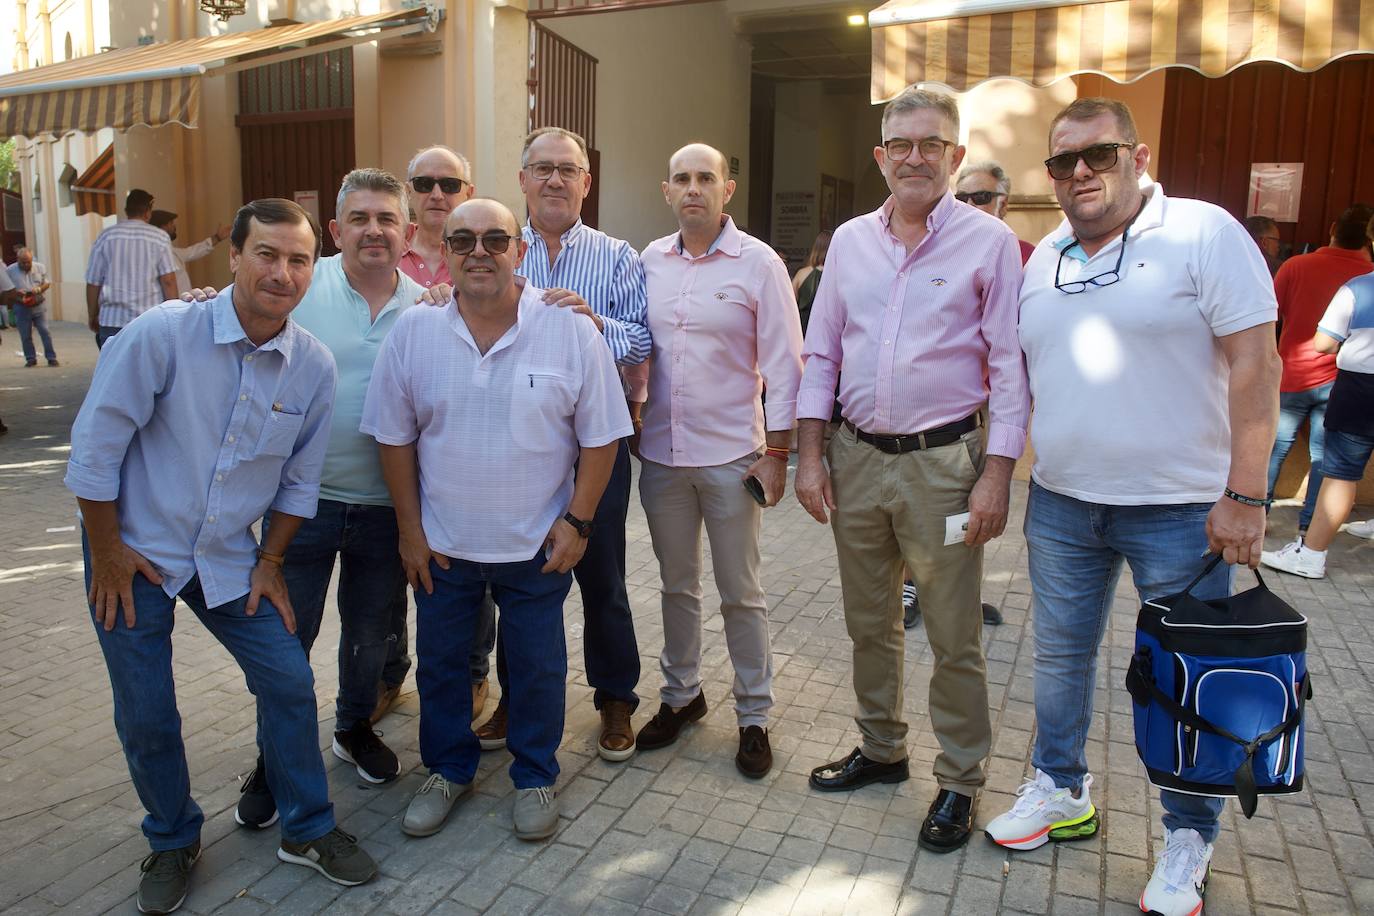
[892, 508]
[677, 502]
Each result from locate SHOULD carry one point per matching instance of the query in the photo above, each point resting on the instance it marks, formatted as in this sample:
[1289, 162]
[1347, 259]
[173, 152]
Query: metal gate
[562, 86]
[296, 130]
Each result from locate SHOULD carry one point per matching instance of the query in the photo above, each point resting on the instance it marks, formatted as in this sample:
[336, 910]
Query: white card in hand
[956, 526]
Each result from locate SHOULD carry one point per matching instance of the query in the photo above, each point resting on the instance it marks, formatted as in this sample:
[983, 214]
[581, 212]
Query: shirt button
[231, 438]
[243, 397]
[887, 343]
[219, 477]
[210, 519]
[200, 553]
[248, 358]
[901, 276]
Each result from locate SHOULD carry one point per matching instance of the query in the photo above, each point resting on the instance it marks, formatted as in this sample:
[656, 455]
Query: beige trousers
[892, 508]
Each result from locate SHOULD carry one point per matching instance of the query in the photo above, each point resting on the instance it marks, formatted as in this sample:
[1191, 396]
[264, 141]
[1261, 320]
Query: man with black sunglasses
[439, 179]
[987, 186]
[1148, 327]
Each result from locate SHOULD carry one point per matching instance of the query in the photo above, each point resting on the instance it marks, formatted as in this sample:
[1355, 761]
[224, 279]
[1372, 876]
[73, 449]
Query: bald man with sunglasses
[440, 179]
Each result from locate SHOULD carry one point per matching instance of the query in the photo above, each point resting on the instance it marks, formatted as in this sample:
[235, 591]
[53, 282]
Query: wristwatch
[583, 528]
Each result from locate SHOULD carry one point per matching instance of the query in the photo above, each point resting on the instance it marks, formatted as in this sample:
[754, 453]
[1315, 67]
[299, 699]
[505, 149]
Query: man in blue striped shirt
[601, 277]
[131, 269]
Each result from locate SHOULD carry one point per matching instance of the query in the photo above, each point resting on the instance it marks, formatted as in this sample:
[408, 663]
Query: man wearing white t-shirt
[499, 420]
[1148, 327]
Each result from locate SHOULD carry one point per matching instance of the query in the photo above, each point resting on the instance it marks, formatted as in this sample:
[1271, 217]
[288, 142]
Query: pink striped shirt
[925, 338]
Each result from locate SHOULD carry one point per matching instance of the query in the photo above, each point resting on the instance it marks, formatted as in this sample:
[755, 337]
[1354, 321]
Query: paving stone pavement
[675, 831]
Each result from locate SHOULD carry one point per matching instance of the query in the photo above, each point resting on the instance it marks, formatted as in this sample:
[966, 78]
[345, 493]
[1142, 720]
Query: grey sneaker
[536, 813]
[336, 855]
[165, 876]
[430, 807]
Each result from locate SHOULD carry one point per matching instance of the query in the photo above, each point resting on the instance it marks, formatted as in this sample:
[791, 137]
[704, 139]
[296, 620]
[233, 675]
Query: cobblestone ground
[673, 831]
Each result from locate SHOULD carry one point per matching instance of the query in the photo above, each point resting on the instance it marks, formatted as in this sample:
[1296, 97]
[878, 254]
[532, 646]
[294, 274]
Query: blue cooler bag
[1218, 689]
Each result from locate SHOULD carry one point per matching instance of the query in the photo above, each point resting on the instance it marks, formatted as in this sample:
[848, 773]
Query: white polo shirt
[1128, 381]
[497, 433]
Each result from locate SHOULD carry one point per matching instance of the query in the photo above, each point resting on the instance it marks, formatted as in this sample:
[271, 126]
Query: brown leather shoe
[663, 728]
[492, 734]
[479, 698]
[755, 758]
[386, 698]
[617, 737]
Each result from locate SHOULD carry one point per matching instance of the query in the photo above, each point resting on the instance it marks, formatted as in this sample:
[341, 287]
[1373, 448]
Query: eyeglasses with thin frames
[899, 149]
[1103, 279]
[543, 171]
[464, 242]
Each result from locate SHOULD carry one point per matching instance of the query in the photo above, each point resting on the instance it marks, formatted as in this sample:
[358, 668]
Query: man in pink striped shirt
[918, 306]
[724, 324]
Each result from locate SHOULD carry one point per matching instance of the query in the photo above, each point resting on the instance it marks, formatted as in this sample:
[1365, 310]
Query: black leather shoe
[663, 728]
[991, 616]
[854, 771]
[949, 823]
[755, 757]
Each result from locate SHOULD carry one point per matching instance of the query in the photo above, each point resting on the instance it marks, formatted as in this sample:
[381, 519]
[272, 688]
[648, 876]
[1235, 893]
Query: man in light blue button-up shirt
[200, 418]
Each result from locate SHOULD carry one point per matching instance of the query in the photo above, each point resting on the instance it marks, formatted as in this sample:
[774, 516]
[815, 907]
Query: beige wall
[666, 77]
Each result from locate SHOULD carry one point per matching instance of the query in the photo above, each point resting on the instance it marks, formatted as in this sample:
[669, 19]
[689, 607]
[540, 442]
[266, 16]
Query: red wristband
[781, 454]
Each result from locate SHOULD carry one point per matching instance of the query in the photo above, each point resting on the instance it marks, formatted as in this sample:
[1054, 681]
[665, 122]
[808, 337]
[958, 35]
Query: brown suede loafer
[755, 757]
[663, 728]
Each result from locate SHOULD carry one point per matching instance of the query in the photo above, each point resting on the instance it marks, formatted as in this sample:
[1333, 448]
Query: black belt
[930, 438]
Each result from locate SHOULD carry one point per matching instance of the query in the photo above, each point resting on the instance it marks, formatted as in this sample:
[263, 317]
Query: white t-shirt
[1350, 319]
[1128, 381]
[497, 433]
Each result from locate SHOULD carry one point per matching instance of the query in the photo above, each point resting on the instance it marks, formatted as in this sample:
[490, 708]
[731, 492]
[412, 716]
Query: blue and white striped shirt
[126, 261]
[607, 273]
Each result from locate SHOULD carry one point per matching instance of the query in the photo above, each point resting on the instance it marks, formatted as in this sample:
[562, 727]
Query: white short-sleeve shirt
[1350, 319]
[497, 434]
[1128, 381]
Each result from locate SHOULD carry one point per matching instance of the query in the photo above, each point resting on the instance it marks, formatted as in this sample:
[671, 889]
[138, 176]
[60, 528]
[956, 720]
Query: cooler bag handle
[1140, 684]
[1211, 565]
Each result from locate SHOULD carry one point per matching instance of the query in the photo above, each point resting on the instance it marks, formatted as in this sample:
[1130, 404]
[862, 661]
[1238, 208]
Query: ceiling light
[857, 19]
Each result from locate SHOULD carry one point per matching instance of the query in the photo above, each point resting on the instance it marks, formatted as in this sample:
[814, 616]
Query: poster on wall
[309, 201]
[794, 221]
[1275, 191]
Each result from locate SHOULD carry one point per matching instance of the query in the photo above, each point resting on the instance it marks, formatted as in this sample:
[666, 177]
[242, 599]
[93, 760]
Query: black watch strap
[583, 528]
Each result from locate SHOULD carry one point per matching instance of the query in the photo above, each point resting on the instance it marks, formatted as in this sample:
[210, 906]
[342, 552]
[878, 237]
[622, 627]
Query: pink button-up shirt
[724, 325]
[414, 267]
[925, 338]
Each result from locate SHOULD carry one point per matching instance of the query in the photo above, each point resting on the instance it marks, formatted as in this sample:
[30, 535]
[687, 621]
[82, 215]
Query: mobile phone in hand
[751, 483]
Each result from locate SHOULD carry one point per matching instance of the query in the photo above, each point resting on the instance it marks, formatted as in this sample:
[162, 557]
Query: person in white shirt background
[166, 220]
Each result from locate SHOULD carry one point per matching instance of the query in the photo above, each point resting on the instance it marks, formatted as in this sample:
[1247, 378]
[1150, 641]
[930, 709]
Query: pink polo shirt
[724, 325]
[925, 338]
[414, 267]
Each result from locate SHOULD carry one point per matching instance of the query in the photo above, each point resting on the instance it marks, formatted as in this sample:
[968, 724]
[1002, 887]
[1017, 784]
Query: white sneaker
[1180, 877]
[1044, 812]
[1297, 559]
[1364, 529]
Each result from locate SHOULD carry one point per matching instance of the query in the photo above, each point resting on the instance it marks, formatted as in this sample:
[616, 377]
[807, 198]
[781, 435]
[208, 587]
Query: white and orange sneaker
[1044, 812]
[1180, 877]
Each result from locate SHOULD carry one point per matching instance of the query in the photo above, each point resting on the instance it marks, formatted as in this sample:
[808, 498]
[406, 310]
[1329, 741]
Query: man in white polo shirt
[482, 409]
[1148, 327]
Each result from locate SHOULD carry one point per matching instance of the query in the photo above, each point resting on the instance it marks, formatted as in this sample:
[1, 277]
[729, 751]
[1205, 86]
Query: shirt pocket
[542, 404]
[279, 433]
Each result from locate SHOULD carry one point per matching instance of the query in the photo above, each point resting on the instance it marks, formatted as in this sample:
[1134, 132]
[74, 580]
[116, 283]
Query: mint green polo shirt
[333, 312]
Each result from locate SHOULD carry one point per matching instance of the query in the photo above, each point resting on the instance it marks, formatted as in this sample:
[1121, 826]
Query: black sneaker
[363, 748]
[911, 605]
[991, 616]
[257, 808]
[162, 889]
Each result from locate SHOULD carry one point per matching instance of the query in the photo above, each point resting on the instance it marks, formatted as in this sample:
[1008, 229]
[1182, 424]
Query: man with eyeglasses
[499, 420]
[918, 305]
[985, 185]
[1265, 232]
[440, 179]
[601, 277]
[1148, 327]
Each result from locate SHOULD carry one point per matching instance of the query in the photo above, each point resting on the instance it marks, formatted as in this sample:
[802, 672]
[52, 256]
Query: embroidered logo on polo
[722, 296]
[939, 281]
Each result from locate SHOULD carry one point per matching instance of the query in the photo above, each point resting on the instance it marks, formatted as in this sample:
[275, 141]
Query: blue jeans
[609, 648]
[1076, 551]
[105, 333]
[372, 584]
[139, 660]
[1294, 408]
[28, 320]
[531, 605]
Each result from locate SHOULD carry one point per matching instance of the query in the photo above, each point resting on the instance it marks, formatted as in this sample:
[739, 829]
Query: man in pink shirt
[440, 179]
[724, 325]
[918, 304]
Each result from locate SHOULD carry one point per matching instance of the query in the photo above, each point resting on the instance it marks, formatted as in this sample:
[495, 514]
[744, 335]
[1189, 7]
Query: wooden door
[562, 85]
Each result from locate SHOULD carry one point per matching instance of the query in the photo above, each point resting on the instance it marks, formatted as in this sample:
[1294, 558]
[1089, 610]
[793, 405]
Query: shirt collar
[225, 321]
[727, 241]
[1353, 254]
[531, 297]
[566, 240]
[934, 220]
[1151, 216]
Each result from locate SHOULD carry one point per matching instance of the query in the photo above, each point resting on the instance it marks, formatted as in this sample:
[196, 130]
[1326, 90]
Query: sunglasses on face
[931, 148]
[1099, 157]
[543, 171]
[978, 198]
[423, 184]
[464, 242]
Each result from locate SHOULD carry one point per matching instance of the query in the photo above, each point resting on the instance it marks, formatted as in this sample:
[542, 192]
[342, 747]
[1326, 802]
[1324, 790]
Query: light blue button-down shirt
[604, 271]
[197, 433]
[333, 311]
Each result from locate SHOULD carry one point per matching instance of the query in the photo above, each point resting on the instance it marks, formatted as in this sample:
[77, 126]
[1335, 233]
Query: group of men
[480, 447]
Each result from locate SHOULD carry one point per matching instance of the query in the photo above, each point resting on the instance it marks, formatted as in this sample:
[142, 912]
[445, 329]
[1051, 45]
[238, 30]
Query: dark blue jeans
[609, 649]
[139, 660]
[1294, 408]
[372, 584]
[531, 605]
[29, 319]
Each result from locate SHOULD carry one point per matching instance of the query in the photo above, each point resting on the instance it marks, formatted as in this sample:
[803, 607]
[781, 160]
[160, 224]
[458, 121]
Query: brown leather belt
[930, 438]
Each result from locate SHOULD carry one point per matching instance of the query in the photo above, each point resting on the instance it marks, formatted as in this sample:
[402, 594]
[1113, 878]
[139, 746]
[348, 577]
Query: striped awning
[160, 83]
[94, 189]
[960, 43]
